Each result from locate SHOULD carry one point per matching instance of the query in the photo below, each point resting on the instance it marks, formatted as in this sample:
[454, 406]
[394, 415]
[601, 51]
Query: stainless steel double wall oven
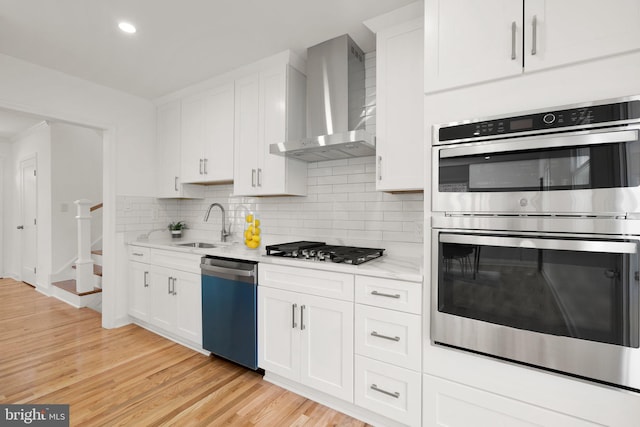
[536, 239]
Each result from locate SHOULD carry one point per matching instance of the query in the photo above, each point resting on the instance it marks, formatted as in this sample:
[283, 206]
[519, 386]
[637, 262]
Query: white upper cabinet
[399, 100]
[169, 178]
[270, 108]
[467, 41]
[207, 136]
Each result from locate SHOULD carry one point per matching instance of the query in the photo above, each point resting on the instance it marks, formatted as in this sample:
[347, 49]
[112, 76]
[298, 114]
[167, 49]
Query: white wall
[6, 172]
[594, 80]
[76, 173]
[36, 142]
[129, 144]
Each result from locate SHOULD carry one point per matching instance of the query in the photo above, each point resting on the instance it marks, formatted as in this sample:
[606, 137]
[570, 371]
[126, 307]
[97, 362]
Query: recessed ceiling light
[127, 28]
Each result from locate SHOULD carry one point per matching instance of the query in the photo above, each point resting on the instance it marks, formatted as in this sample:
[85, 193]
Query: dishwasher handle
[248, 276]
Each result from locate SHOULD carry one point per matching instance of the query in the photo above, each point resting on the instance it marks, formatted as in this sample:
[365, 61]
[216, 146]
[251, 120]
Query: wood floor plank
[54, 353]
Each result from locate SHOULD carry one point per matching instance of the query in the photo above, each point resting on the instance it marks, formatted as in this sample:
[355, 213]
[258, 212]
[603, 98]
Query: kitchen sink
[197, 245]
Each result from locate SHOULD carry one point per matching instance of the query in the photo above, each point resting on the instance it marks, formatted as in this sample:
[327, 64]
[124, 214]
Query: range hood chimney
[336, 107]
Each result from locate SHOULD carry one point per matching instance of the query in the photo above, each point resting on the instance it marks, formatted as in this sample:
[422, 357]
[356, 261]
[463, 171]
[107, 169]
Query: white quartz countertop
[387, 266]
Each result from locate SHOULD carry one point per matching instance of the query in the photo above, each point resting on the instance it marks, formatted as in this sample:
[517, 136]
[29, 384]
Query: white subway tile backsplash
[333, 179]
[349, 188]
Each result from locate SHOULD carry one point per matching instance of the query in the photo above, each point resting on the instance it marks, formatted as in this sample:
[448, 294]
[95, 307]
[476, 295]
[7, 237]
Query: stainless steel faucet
[223, 233]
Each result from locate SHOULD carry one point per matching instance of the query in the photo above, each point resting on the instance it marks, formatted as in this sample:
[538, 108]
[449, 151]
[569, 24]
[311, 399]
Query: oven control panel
[542, 121]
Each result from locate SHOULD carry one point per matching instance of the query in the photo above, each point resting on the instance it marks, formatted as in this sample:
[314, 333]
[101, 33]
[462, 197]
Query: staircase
[85, 290]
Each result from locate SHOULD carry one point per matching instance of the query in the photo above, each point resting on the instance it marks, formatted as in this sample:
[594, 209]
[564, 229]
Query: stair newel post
[84, 264]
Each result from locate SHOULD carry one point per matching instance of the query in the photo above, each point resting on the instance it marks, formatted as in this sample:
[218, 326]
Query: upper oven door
[594, 172]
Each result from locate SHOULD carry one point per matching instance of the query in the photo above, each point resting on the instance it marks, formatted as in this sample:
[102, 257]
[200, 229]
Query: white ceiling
[179, 42]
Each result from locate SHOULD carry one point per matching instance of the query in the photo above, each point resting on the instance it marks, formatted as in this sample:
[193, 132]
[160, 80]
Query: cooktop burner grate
[320, 251]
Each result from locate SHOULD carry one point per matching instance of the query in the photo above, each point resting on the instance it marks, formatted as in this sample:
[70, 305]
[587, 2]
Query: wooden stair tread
[97, 252]
[70, 286]
[97, 269]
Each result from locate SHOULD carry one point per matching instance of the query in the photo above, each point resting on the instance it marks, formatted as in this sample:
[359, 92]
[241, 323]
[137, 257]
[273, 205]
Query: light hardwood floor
[53, 353]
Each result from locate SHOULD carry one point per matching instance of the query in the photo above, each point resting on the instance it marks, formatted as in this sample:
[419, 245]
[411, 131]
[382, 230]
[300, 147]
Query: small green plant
[176, 226]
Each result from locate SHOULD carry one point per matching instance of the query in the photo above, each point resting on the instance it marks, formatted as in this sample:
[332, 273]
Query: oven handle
[548, 142]
[525, 242]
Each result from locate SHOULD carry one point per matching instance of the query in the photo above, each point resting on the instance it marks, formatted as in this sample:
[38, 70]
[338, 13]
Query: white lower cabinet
[303, 336]
[166, 298]
[388, 390]
[308, 339]
[447, 403]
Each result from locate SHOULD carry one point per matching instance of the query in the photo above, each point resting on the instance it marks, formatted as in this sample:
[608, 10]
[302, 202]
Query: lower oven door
[567, 304]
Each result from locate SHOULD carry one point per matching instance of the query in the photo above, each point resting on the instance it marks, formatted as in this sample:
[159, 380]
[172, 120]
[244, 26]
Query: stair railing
[84, 264]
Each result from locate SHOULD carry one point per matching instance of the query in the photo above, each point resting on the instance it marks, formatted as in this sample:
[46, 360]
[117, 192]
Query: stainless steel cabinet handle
[20, 227]
[259, 177]
[388, 393]
[137, 254]
[386, 337]
[169, 285]
[175, 184]
[379, 168]
[380, 294]
[534, 35]
[293, 316]
[146, 282]
[302, 327]
[253, 177]
[201, 162]
[174, 292]
[513, 40]
[206, 162]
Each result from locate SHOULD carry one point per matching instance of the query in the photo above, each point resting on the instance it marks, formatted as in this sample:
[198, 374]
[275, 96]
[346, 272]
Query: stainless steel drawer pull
[534, 35]
[146, 276]
[137, 254]
[175, 184]
[169, 285]
[388, 393]
[380, 294]
[293, 316]
[253, 177]
[201, 163]
[302, 327]
[386, 337]
[513, 40]
[174, 286]
[206, 172]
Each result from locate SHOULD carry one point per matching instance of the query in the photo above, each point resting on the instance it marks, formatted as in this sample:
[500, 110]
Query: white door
[169, 145]
[246, 136]
[193, 134]
[327, 345]
[279, 332]
[469, 41]
[574, 30]
[218, 143]
[139, 290]
[188, 295]
[162, 302]
[28, 227]
[271, 168]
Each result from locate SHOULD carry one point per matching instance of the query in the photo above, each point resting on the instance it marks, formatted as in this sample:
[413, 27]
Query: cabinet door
[168, 138]
[271, 168]
[218, 139]
[326, 327]
[400, 105]
[574, 30]
[188, 296]
[193, 135]
[278, 332]
[139, 290]
[246, 136]
[469, 41]
[162, 303]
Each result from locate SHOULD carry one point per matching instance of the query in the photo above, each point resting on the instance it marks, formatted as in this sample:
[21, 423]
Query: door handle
[20, 227]
[169, 285]
[302, 327]
[253, 177]
[513, 40]
[534, 35]
[175, 184]
[388, 393]
[201, 162]
[380, 294]
[146, 282]
[293, 316]
[386, 337]
[206, 161]
[259, 177]
[173, 281]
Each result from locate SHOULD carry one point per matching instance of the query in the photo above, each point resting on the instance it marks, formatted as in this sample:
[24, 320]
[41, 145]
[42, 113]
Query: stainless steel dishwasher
[229, 305]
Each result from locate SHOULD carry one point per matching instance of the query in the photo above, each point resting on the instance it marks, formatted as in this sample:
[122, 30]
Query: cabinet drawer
[139, 254]
[389, 293]
[388, 390]
[313, 282]
[176, 260]
[389, 336]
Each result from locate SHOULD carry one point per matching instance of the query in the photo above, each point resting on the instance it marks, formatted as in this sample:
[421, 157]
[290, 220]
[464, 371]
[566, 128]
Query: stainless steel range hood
[336, 108]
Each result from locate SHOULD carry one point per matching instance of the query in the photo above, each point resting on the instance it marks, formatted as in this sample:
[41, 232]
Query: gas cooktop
[320, 251]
